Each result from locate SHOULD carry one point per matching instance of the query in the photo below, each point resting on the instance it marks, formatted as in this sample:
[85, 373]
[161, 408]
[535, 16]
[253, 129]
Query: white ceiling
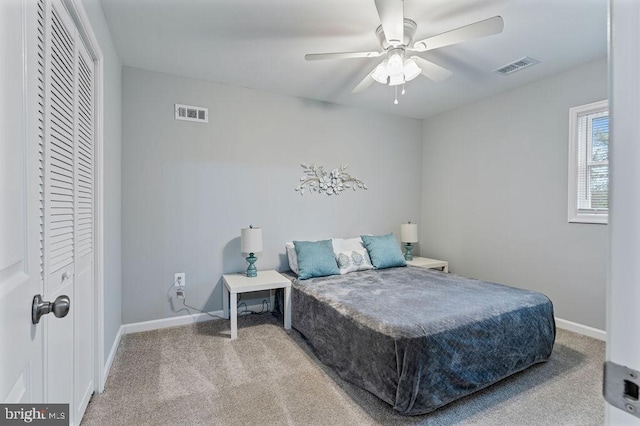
[261, 44]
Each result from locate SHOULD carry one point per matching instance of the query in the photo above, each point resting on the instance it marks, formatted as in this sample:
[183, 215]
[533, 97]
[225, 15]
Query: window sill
[599, 219]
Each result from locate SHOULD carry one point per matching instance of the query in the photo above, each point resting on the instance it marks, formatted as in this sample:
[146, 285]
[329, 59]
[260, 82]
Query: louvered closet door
[59, 182]
[69, 213]
[84, 221]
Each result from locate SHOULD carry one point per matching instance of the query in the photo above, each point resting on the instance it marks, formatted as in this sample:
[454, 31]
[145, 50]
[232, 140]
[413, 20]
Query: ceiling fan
[402, 63]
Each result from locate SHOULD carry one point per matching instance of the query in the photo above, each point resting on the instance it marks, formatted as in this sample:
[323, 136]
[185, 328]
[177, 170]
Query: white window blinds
[589, 163]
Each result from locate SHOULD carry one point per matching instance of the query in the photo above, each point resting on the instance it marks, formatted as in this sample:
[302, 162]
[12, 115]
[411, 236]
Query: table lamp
[409, 235]
[251, 242]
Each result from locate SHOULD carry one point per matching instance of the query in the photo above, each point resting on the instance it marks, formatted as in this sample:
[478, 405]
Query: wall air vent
[192, 113]
[516, 66]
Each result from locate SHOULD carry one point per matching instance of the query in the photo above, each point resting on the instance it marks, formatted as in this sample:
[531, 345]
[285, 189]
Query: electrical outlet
[180, 293]
[180, 279]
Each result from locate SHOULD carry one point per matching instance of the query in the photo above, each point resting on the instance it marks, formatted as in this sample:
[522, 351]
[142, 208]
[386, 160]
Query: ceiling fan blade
[391, 13]
[342, 55]
[364, 84]
[432, 71]
[479, 29]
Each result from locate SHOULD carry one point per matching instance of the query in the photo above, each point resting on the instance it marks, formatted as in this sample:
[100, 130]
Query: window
[589, 163]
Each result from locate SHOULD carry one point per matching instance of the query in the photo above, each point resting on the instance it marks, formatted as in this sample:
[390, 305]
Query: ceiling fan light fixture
[411, 70]
[395, 34]
[395, 63]
[381, 74]
[396, 79]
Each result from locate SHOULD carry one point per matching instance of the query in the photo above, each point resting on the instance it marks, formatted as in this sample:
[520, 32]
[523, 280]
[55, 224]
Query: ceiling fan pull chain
[403, 92]
[396, 101]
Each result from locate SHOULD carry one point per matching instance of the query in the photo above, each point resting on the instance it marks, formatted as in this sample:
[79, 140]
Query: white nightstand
[424, 262]
[240, 283]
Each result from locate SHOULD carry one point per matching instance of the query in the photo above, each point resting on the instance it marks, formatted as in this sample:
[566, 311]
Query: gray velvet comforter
[419, 339]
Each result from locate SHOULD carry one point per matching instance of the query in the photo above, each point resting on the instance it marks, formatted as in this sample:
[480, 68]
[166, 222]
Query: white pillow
[292, 256]
[353, 260]
[347, 244]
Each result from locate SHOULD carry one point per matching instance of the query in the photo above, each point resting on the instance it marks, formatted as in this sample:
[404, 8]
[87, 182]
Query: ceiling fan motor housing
[409, 30]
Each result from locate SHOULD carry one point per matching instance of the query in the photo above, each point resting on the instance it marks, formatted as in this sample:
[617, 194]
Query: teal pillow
[315, 259]
[384, 251]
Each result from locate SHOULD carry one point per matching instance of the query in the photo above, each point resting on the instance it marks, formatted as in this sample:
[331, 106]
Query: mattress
[419, 339]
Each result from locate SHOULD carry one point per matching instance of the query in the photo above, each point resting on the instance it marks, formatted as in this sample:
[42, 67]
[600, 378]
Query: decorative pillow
[347, 244]
[292, 256]
[337, 244]
[353, 260]
[384, 251]
[315, 259]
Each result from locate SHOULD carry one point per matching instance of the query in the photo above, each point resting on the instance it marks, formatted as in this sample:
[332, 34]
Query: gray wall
[112, 173]
[188, 188]
[494, 194]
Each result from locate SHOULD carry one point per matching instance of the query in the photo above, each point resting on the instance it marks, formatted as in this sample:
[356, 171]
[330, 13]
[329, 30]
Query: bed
[417, 338]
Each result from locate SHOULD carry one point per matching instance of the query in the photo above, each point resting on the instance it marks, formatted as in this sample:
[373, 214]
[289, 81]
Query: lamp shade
[409, 232]
[394, 66]
[251, 240]
[411, 70]
[396, 79]
[380, 74]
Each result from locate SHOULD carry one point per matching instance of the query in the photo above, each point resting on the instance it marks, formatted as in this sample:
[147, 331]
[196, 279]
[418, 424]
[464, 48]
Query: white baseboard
[581, 329]
[112, 354]
[137, 327]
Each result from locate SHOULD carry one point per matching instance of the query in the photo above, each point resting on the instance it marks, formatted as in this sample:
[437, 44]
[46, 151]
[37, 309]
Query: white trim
[623, 292]
[602, 219]
[585, 330]
[158, 324]
[112, 354]
[138, 327]
[99, 224]
[574, 215]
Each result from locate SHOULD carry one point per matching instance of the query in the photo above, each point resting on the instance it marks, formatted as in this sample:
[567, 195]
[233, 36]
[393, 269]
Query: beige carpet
[196, 375]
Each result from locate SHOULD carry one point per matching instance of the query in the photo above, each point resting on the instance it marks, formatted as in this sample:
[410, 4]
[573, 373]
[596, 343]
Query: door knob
[60, 307]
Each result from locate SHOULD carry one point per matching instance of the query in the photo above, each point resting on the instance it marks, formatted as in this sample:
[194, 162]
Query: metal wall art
[317, 179]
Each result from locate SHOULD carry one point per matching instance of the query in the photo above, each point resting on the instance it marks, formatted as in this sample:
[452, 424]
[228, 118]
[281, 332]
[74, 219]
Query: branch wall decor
[317, 179]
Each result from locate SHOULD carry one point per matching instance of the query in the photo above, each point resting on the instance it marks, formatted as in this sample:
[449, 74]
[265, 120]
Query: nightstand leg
[272, 299]
[446, 269]
[287, 308]
[225, 301]
[234, 315]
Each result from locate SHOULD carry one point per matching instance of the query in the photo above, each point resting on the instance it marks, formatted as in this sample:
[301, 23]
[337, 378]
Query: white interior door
[84, 319]
[59, 223]
[68, 202]
[21, 370]
[46, 205]
[623, 301]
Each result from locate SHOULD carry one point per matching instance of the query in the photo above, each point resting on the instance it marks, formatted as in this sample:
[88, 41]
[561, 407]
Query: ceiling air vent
[518, 65]
[192, 113]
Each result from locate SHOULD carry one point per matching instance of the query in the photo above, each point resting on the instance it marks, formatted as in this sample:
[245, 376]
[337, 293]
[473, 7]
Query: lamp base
[408, 255]
[252, 271]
